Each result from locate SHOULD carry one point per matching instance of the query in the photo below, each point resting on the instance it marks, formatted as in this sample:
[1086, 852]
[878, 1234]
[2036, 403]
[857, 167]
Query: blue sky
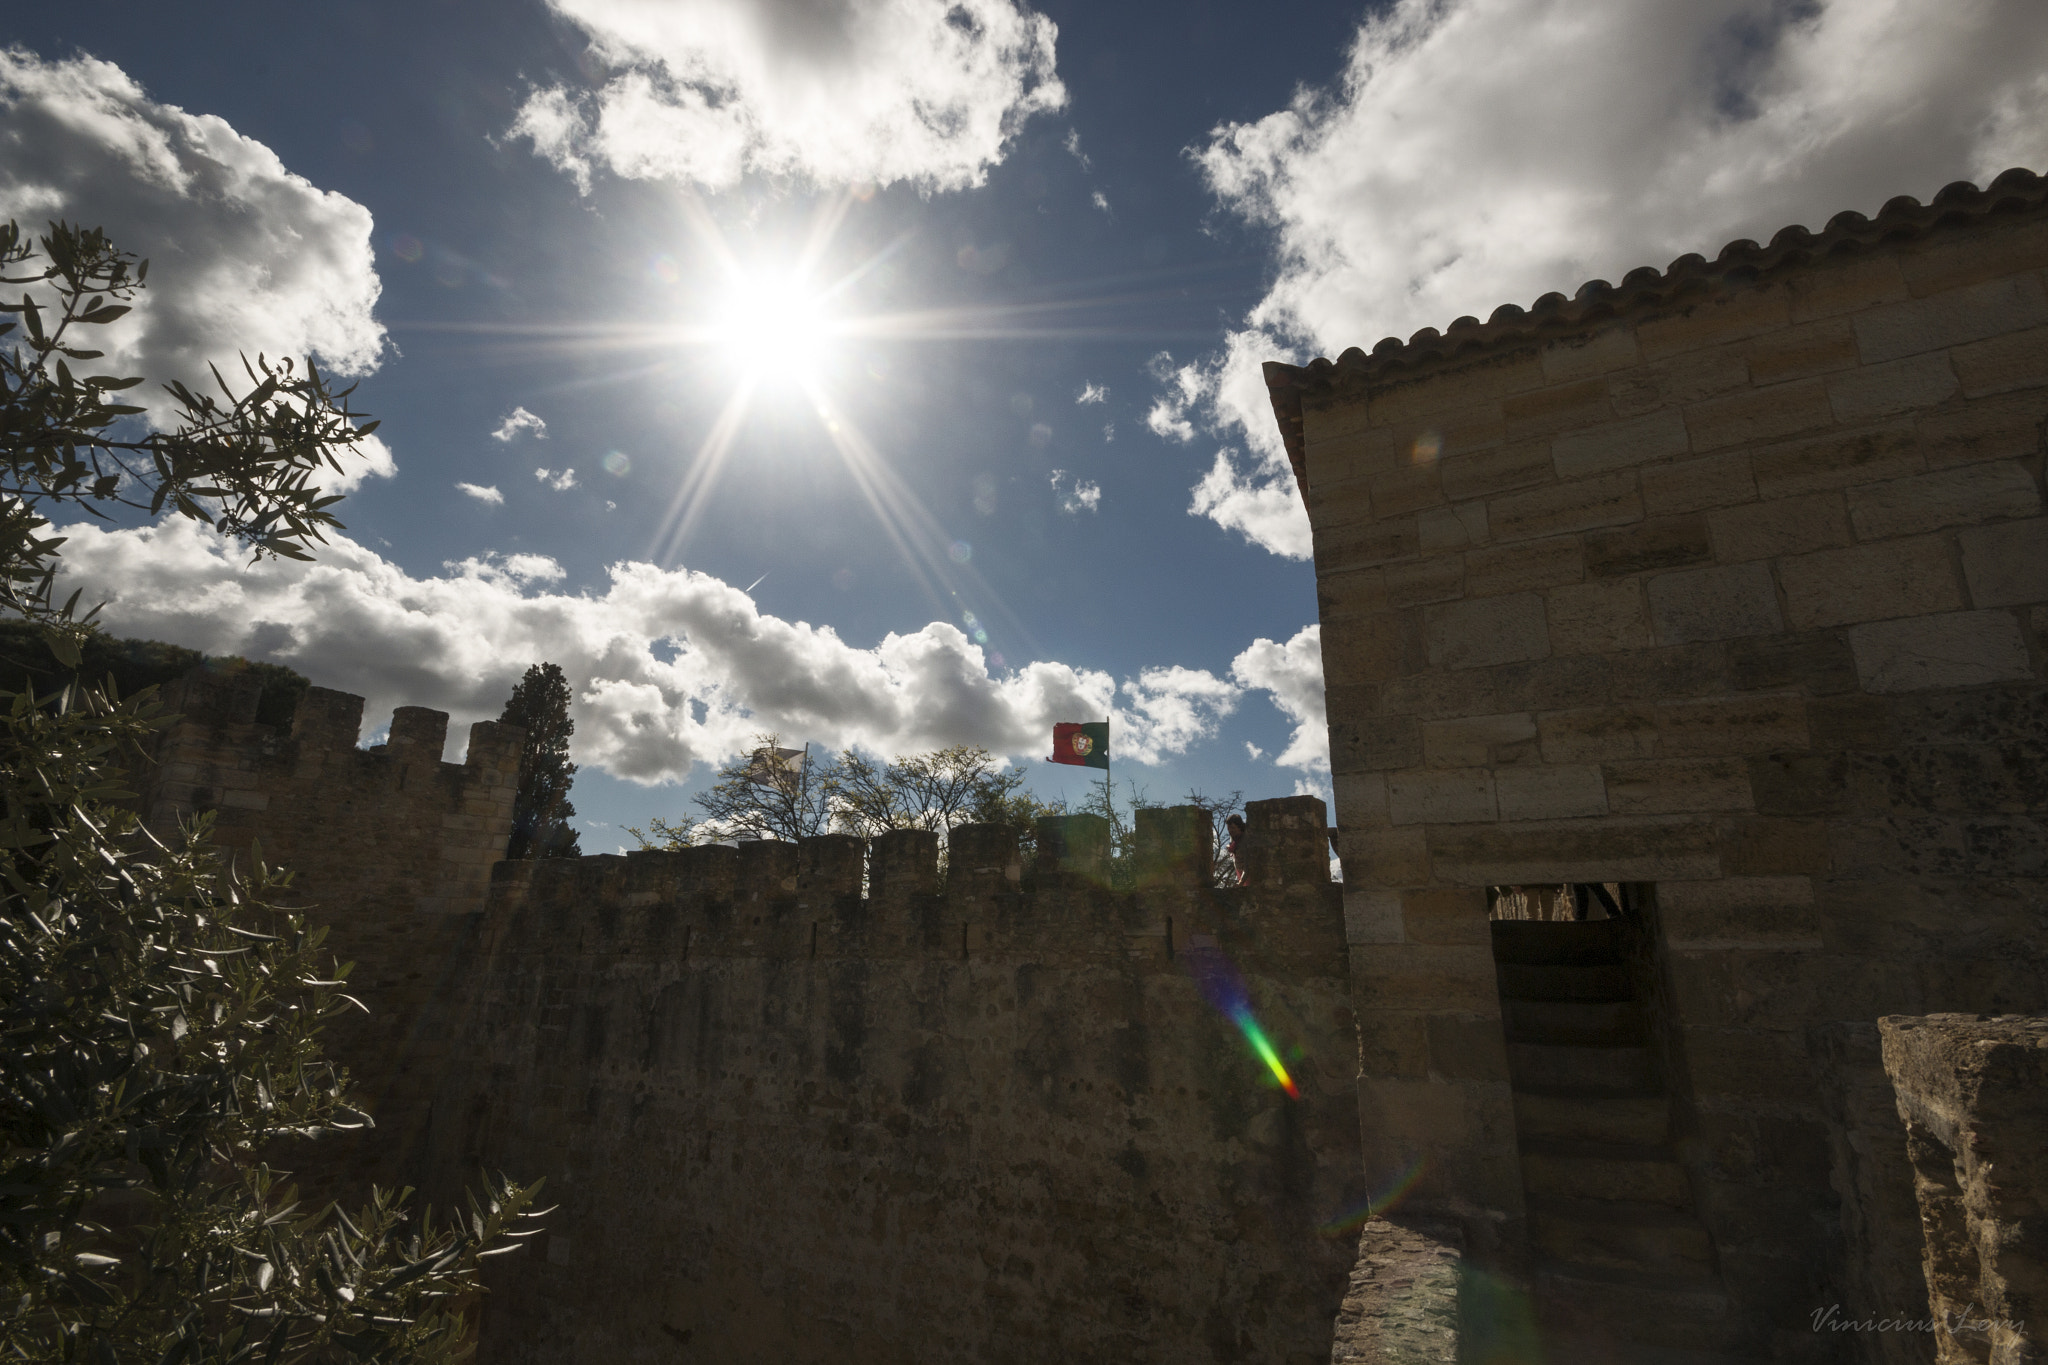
[885, 373]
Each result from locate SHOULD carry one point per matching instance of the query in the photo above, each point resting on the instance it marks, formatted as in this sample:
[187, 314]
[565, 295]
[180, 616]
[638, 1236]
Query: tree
[161, 1015]
[770, 793]
[935, 790]
[542, 810]
[247, 464]
[664, 835]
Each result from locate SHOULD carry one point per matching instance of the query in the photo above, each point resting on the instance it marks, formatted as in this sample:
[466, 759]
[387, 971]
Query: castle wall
[1005, 1120]
[1733, 580]
[391, 849]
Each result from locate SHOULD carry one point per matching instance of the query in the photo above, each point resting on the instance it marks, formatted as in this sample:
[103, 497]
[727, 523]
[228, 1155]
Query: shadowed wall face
[1019, 1120]
[1732, 580]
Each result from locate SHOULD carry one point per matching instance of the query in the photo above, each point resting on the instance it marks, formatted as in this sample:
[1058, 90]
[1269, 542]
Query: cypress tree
[541, 812]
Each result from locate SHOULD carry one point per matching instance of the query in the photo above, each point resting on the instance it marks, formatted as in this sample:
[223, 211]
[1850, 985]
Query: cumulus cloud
[1292, 675]
[670, 667]
[483, 493]
[517, 421]
[246, 258]
[1093, 393]
[1075, 494]
[1480, 152]
[559, 480]
[834, 93]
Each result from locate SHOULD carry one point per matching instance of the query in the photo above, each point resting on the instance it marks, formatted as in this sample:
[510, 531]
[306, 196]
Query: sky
[884, 373]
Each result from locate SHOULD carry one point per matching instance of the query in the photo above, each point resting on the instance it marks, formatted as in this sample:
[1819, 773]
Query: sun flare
[768, 321]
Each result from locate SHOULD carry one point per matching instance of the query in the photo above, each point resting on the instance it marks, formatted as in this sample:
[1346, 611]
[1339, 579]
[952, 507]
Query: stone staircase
[1625, 1268]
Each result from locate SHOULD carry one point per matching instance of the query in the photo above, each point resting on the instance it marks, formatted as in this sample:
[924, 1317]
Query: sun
[773, 322]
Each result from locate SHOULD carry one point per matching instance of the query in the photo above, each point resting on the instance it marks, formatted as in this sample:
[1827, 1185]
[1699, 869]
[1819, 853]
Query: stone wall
[1973, 1093]
[1006, 1119]
[1730, 582]
[390, 848]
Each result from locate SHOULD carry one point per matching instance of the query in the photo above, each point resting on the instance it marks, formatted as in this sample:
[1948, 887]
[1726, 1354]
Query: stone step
[1640, 1307]
[1622, 1235]
[1576, 1116]
[1596, 1022]
[1548, 943]
[1618, 1070]
[1599, 983]
[1644, 1175]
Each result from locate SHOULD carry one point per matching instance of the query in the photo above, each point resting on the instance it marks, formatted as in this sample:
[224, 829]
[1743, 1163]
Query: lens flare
[1379, 1203]
[618, 464]
[1225, 989]
[959, 552]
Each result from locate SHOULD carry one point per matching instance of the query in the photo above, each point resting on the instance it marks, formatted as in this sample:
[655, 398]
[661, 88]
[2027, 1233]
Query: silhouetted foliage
[542, 810]
[27, 662]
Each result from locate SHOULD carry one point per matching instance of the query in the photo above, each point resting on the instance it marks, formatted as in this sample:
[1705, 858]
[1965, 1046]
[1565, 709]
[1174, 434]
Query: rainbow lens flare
[1225, 989]
[1379, 1203]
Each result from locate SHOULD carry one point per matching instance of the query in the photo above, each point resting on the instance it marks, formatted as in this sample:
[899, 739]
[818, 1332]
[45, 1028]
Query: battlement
[816, 1088]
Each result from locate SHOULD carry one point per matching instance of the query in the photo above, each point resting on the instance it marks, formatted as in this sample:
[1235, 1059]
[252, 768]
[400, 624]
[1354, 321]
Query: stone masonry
[1727, 587]
[1010, 1118]
[1973, 1092]
[391, 849]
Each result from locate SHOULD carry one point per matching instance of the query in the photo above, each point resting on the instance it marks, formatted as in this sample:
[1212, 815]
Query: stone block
[1608, 500]
[2000, 364]
[1483, 632]
[1739, 912]
[1837, 461]
[1597, 734]
[1426, 976]
[1846, 283]
[1961, 496]
[1395, 857]
[1352, 545]
[2006, 566]
[1874, 391]
[1799, 784]
[1802, 352]
[1476, 383]
[2006, 426]
[1595, 353]
[1855, 721]
[1452, 528]
[1479, 741]
[1406, 488]
[1767, 846]
[1616, 849]
[1446, 914]
[1739, 1063]
[1671, 786]
[1372, 915]
[1952, 318]
[1518, 568]
[1598, 618]
[1359, 592]
[1467, 1047]
[1660, 543]
[1987, 250]
[1557, 792]
[1557, 407]
[1438, 578]
[1673, 672]
[1960, 649]
[1872, 582]
[1679, 380]
[1440, 796]
[1731, 726]
[1714, 322]
[1694, 485]
[1619, 444]
[1486, 472]
[1373, 648]
[1393, 1043]
[1361, 800]
[1782, 526]
[1365, 742]
[1765, 414]
[1818, 664]
[1714, 604]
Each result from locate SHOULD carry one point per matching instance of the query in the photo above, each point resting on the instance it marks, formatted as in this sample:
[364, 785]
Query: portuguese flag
[1084, 745]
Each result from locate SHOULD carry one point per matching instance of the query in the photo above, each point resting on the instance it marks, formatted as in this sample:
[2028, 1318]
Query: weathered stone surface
[1973, 1094]
[1402, 1304]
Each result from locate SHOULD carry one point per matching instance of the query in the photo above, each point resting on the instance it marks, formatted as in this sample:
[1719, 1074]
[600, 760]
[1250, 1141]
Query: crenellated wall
[390, 848]
[1002, 1119]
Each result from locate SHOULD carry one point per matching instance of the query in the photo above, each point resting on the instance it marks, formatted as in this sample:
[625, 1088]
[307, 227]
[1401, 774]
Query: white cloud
[1077, 495]
[1109, 431]
[518, 420]
[483, 493]
[1292, 675]
[1093, 393]
[1100, 200]
[353, 620]
[245, 257]
[1481, 152]
[561, 481]
[834, 93]
[1073, 146]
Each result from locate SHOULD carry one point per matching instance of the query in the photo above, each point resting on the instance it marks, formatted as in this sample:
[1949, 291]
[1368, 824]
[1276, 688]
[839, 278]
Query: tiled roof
[1740, 262]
